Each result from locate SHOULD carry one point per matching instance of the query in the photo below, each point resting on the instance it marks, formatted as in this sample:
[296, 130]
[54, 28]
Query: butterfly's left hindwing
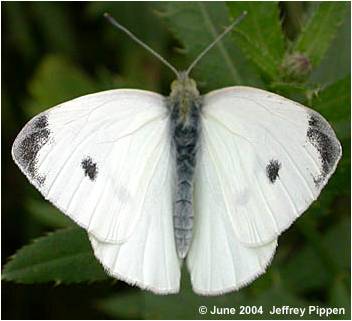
[272, 157]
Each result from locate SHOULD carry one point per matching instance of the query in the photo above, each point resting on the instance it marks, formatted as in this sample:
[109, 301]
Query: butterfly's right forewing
[148, 258]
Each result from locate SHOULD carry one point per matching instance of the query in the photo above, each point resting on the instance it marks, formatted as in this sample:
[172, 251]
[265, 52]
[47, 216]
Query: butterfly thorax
[184, 93]
[184, 103]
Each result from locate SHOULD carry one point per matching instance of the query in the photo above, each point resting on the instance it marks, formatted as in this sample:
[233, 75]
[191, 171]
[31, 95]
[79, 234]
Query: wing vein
[65, 163]
[99, 199]
[218, 175]
[293, 165]
[153, 172]
[269, 210]
[168, 279]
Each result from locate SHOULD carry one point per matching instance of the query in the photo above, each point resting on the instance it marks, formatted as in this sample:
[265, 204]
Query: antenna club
[239, 19]
[107, 16]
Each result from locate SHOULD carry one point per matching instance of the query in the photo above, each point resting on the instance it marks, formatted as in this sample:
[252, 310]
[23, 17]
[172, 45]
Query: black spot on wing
[90, 168]
[272, 170]
[29, 142]
[320, 135]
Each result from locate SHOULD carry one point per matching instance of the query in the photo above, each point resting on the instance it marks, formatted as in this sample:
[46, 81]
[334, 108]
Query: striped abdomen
[185, 133]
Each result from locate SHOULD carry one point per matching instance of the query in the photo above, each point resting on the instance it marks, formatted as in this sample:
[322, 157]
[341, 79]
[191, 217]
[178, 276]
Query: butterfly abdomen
[185, 132]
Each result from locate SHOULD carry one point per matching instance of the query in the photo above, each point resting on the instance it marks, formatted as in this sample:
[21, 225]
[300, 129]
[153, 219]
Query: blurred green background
[53, 52]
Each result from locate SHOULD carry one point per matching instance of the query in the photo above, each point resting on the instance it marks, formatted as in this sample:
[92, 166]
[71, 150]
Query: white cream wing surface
[96, 158]
[271, 157]
[148, 258]
[217, 261]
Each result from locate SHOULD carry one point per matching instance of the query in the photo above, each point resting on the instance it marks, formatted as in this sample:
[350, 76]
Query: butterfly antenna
[217, 39]
[129, 33]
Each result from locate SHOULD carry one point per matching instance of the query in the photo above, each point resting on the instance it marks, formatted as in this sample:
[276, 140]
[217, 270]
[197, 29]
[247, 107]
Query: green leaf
[319, 271]
[20, 29]
[137, 67]
[259, 35]
[339, 296]
[335, 242]
[56, 27]
[123, 306]
[64, 256]
[278, 296]
[337, 60]
[47, 214]
[146, 305]
[320, 30]
[55, 81]
[196, 25]
[293, 90]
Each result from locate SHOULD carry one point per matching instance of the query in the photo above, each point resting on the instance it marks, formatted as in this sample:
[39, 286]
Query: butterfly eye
[192, 85]
[174, 85]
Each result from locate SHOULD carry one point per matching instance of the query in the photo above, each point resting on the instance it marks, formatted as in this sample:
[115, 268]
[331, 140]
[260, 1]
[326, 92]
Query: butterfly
[211, 180]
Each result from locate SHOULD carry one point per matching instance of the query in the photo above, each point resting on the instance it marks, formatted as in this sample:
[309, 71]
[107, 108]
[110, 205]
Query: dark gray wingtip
[322, 137]
[28, 143]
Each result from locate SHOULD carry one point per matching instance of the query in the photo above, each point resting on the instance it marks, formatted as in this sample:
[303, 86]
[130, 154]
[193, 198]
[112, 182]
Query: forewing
[94, 157]
[272, 157]
[148, 258]
[218, 262]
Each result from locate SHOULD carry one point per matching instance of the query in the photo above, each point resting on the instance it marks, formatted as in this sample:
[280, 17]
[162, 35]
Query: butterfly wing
[272, 157]
[263, 160]
[218, 262]
[104, 160]
[94, 157]
[148, 258]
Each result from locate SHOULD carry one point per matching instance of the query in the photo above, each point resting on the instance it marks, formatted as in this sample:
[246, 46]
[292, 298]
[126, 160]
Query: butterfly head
[184, 86]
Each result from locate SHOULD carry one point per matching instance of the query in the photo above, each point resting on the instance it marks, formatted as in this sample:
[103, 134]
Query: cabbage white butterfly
[212, 179]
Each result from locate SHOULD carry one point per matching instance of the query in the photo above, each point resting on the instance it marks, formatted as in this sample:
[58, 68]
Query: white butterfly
[214, 179]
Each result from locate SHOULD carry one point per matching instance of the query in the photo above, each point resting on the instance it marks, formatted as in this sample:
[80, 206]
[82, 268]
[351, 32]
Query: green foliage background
[53, 52]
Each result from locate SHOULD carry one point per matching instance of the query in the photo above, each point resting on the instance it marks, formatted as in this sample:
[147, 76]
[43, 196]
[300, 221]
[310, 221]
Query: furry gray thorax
[185, 104]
